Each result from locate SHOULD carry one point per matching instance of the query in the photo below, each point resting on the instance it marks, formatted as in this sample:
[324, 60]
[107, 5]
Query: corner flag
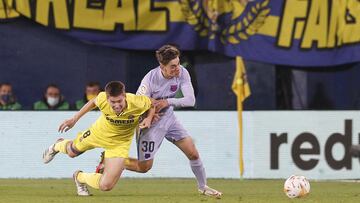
[241, 88]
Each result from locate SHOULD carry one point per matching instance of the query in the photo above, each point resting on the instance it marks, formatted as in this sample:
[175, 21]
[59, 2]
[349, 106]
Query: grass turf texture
[172, 190]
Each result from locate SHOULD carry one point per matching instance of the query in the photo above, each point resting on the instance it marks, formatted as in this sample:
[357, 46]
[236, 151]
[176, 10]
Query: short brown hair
[167, 53]
[114, 88]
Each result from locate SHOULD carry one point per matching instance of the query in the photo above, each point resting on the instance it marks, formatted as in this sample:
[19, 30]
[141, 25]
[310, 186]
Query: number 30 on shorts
[147, 146]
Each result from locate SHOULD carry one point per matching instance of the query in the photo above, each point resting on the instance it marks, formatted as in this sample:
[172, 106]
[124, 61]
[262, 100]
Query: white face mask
[53, 101]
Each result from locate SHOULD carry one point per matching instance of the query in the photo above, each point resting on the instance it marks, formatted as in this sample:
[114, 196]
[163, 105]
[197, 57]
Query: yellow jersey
[119, 128]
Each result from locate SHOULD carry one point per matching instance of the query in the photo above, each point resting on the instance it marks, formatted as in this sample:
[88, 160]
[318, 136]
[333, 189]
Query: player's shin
[61, 146]
[91, 179]
[199, 172]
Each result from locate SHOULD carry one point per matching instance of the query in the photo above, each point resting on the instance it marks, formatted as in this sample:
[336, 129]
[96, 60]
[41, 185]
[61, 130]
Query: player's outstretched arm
[147, 121]
[69, 123]
[187, 90]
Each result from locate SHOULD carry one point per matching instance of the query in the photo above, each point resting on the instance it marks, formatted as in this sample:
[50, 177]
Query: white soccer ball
[296, 186]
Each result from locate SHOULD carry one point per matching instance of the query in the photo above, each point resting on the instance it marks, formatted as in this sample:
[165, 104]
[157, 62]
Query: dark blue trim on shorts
[138, 143]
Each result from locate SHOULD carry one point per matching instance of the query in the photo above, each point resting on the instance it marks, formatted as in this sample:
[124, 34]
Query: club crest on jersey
[142, 90]
[131, 117]
[173, 88]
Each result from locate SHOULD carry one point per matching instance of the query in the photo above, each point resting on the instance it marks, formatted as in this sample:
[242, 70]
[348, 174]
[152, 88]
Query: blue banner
[292, 32]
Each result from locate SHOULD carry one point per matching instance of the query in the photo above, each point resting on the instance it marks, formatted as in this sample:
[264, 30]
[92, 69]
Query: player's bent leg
[105, 182]
[112, 172]
[138, 166]
[187, 146]
[64, 146]
[131, 164]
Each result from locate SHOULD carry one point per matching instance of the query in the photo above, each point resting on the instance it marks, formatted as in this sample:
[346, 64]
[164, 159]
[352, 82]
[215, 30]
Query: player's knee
[71, 152]
[106, 186]
[145, 167]
[72, 155]
[194, 156]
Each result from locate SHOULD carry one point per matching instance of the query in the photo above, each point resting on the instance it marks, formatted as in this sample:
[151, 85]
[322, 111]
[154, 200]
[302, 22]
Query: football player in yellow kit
[112, 131]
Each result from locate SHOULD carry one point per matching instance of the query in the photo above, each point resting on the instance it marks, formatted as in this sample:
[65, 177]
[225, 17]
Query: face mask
[6, 98]
[53, 101]
[90, 96]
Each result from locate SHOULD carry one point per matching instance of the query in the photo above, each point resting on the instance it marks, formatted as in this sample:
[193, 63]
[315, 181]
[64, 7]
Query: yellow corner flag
[241, 88]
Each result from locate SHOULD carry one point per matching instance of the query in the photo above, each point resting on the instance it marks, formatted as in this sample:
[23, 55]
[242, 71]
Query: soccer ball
[296, 186]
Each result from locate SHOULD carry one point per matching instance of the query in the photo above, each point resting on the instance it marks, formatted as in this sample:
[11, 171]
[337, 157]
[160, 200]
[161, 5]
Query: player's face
[91, 92]
[52, 92]
[117, 103]
[94, 90]
[172, 69]
[5, 89]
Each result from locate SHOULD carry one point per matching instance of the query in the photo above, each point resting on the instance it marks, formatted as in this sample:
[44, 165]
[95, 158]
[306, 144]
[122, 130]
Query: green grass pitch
[172, 190]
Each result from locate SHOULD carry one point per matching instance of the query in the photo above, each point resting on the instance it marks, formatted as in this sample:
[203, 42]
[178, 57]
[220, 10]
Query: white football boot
[208, 191]
[50, 152]
[80, 187]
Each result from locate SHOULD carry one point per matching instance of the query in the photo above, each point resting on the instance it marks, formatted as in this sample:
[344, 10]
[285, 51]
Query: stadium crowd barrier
[276, 144]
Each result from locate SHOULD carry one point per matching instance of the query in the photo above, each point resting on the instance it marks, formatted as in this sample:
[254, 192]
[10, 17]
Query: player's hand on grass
[145, 123]
[160, 104]
[67, 125]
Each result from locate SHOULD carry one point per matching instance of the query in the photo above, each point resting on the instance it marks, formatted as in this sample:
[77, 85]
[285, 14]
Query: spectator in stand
[92, 89]
[7, 98]
[53, 100]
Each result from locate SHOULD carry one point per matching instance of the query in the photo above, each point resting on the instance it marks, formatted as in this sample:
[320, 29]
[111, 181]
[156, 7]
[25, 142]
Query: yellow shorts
[91, 139]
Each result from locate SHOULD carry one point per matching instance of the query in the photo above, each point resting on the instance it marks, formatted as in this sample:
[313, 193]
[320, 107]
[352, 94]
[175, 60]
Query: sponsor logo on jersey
[131, 120]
